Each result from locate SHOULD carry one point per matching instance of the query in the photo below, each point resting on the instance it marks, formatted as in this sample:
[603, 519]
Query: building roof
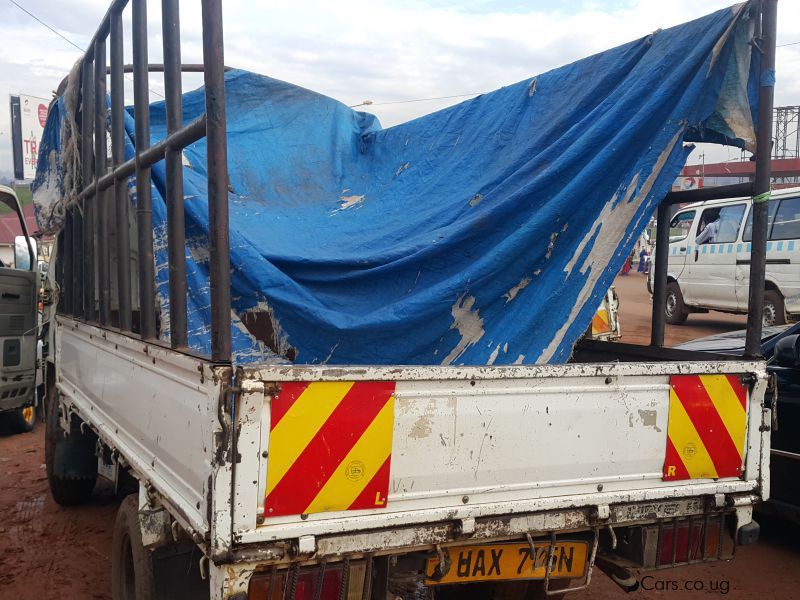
[9, 224]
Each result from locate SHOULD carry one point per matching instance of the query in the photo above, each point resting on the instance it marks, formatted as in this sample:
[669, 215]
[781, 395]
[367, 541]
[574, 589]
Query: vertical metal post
[176, 231]
[100, 167]
[660, 276]
[61, 258]
[76, 280]
[761, 184]
[87, 161]
[144, 201]
[120, 185]
[76, 247]
[77, 264]
[217, 157]
[69, 258]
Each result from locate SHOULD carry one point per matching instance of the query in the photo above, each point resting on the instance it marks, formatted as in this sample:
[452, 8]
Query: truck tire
[170, 572]
[131, 565]
[774, 312]
[70, 460]
[22, 420]
[676, 313]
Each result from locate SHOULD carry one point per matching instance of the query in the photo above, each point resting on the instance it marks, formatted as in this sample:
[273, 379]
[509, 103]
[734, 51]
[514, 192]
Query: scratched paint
[649, 418]
[351, 201]
[468, 322]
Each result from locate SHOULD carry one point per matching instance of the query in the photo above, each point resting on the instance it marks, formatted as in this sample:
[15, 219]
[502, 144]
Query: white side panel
[153, 405]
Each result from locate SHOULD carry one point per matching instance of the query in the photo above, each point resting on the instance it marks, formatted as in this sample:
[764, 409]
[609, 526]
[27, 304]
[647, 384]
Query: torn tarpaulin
[487, 232]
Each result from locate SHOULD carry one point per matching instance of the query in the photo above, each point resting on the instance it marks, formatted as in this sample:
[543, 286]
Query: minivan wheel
[774, 313]
[674, 308]
[23, 420]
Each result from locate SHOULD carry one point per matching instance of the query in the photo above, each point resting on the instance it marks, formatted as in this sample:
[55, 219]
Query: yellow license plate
[500, 562]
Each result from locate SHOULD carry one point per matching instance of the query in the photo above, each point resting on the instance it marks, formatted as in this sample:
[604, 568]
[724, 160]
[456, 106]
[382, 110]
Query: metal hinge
[306, 544]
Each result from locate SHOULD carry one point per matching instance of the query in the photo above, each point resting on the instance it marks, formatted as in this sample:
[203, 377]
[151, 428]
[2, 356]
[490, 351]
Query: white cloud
[374, 50]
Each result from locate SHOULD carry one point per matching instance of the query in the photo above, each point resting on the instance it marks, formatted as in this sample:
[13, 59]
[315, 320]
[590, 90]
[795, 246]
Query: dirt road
[51, 552]
[635, 316]
[47, 551]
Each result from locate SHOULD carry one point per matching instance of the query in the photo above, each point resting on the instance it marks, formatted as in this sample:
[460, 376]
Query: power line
[35, 18]
[426, 99]
[365, 103]
[370, 103]
[61, 35]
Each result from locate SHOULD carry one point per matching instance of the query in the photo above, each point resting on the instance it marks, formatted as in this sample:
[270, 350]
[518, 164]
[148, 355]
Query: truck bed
[494, 451]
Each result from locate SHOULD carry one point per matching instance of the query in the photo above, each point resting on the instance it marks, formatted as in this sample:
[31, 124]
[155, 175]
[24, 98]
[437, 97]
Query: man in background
[710, 231]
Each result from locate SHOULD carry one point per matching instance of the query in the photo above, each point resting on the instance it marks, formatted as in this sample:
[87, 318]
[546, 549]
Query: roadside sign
[28, 117]
[691, 183]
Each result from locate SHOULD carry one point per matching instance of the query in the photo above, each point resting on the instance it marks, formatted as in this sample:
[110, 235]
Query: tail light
[316, 582]
[687, 541]
[703, 538]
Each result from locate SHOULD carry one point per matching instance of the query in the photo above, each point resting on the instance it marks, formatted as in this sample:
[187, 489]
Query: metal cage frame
[758, 189]
[88, 231]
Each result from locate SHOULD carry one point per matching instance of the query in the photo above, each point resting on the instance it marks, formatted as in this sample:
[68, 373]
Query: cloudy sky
[391, 53]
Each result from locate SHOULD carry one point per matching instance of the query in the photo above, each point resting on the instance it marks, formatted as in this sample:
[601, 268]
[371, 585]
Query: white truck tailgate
[480, 441]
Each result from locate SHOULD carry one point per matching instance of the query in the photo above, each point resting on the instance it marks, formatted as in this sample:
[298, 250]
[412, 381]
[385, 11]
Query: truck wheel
[774, 313]
[71, 461]
[131, 567]
[675, 310]
[22, 420]
[170, 572]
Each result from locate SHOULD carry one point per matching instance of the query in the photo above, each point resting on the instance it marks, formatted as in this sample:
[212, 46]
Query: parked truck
[19, 288]
[308, 481]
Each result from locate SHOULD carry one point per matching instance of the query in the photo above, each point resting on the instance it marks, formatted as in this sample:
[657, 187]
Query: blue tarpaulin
[485, 233]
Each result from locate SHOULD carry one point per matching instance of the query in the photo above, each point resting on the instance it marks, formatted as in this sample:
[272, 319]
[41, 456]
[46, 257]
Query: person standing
[626, 266]
[643, 254]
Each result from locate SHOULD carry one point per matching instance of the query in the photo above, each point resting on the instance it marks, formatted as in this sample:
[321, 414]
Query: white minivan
[713, 274]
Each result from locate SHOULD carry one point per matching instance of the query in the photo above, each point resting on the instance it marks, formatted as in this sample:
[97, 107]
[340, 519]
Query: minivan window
[786, 224]
[728, 218]
[680, 225]
[747, 235]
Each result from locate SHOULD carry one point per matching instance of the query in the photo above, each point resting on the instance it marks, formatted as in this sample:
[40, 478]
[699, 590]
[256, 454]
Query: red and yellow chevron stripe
[707, 427]
[330, 447]
[600, 322]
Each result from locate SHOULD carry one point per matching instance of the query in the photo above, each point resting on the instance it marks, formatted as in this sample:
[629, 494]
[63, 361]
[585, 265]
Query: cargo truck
[19, 287]
[308, 481]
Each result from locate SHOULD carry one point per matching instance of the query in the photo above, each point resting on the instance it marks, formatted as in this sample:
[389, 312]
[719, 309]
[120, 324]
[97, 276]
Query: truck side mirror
[23, 253]
[787, 351]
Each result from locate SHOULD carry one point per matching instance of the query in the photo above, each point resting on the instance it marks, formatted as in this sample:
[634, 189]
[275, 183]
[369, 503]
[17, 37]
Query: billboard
[691, 183]
[28, 117]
